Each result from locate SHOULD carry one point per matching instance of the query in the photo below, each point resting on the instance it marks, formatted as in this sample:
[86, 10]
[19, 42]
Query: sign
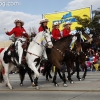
[62, 17]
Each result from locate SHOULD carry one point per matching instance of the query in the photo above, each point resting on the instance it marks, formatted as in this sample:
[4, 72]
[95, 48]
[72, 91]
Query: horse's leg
[85, 70]
[48, 72]
[77, 69]
[64, 80]
[32, 66]
[60, 74]
[54, 78]
[30, 76]
[22, 75]
[29, 71]
[73, 68]
[6, 66]
[68, 63]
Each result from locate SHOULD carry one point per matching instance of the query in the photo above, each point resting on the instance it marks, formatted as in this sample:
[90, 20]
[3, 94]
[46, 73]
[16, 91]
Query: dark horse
[76, 55]
[81, 58]
[56, 56]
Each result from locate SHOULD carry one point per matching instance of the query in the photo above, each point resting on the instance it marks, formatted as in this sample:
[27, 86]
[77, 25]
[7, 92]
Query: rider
[43, 25]
[55, 31]
[18, 31]
[67, 29]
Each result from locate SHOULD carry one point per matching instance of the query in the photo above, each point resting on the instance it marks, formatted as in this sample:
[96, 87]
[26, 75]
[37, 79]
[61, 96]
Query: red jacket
[56, 34]
[66, 32]
[1, 49]
[18, 32]
[40, 29]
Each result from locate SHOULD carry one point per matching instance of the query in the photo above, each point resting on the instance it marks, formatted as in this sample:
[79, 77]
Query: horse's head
[47, 39]
[19, 49]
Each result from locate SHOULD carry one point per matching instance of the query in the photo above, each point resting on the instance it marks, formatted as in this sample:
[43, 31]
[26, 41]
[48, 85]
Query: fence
[4, 44]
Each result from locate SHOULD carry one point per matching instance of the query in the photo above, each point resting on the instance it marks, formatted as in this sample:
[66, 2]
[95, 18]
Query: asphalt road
[88, 89]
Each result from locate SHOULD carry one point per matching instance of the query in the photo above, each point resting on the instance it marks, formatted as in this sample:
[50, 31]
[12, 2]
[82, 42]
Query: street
[89, 89]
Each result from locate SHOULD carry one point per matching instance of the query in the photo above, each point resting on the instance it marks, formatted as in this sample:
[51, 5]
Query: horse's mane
[32, 42]
[64, 38]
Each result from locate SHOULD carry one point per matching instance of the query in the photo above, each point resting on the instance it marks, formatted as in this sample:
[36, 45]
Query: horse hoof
[51, 79]
[80, 79]
[11, 88]
[56, 85]
[66, 79]
[21, 84]
[83, 79]
[72, 82]
[65, 85]
[37, 88]
[33, 84]
[47, 79]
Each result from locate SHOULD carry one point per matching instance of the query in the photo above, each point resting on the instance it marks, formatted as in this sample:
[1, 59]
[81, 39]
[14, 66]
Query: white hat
[44, 20]
[66, 23]
[19, 21]
[56, 23]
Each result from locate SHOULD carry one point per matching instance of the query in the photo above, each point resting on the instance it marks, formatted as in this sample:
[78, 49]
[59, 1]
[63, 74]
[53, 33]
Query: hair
[44, 27]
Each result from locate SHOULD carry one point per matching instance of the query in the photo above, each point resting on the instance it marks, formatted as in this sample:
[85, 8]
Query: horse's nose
[50, 46]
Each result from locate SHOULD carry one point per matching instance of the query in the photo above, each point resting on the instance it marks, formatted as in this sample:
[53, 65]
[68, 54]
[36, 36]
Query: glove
[24, 32]
[70, 33]
[59, 37]
[5, 30]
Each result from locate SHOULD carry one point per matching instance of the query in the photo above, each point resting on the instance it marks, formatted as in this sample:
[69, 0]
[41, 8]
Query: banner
[62, 17]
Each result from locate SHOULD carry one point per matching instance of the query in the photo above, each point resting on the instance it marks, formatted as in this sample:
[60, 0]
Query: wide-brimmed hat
[66, 23]
[44, 20]
[19, 21]
[56, 23]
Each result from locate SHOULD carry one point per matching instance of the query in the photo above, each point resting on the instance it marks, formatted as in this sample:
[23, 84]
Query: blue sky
[30, 11]
[37, 6]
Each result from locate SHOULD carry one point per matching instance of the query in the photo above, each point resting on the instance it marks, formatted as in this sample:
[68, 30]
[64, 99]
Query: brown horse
[78, 56]
[81, 58]
[56, 56]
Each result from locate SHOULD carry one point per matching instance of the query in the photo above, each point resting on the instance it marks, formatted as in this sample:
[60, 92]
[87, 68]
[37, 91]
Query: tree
[83, 22]
[92, 23]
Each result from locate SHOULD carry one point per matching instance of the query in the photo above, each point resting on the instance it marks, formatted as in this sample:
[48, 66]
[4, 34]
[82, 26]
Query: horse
[74, 55]
[35, 50]
[10, 57]
[57, 53]
[81, 57]
[47, 65]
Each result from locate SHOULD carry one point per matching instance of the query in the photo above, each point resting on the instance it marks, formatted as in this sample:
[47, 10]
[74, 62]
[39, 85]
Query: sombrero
[66, 23]
[19, 21]
[56, 23]
[44, 20]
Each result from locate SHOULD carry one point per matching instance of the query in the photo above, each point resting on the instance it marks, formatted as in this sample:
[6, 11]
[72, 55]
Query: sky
[30, 11]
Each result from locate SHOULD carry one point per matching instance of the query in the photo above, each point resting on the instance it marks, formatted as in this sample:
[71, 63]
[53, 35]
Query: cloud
[76, 4]
[8, 17]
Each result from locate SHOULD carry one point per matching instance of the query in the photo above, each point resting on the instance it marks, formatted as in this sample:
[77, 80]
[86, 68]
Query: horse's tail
[1, 76]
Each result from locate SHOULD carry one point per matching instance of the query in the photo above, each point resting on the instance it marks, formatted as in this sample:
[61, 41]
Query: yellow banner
[62, 17]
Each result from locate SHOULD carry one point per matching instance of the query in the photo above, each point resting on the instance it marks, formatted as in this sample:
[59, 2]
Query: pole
[42, 16]
[91, 13]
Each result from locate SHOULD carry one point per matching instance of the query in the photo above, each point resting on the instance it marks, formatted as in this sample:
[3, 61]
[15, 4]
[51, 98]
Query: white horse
[35, 51]
[8, 65]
